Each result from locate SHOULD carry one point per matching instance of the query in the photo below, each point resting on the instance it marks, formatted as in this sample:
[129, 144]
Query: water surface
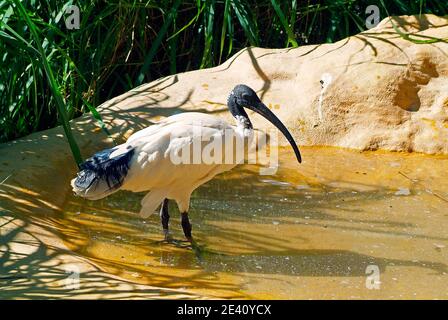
[310, 231]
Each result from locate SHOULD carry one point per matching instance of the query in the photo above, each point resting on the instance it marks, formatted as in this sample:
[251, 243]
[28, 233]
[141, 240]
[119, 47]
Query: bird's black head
[242, 97]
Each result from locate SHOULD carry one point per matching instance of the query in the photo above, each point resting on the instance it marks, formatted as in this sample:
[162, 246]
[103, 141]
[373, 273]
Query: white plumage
[145, 161]
[153, 169]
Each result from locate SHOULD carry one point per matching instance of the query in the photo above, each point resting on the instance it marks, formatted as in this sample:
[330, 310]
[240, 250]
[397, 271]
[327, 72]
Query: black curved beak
[261, 109]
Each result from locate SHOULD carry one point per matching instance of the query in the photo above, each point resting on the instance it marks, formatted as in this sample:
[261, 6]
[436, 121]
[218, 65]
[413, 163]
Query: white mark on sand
[403, 192]
[325, 81]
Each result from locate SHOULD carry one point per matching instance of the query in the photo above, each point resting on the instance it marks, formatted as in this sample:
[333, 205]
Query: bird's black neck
[239, 113]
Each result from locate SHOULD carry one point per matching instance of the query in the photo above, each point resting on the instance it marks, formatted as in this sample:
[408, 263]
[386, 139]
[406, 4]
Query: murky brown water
[310, 231]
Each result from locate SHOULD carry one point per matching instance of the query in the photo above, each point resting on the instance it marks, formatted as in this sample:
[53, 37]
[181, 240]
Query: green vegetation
[50, 74]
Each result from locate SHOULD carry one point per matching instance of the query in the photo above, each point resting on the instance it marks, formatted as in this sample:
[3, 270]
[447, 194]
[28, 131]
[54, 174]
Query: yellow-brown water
[310, 231]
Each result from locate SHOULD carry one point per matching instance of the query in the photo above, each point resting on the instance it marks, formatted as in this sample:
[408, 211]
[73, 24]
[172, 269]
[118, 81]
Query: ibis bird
[143, 162]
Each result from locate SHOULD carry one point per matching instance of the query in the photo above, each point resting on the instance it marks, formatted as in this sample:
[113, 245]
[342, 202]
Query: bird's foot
[195, 247]
[167, 235]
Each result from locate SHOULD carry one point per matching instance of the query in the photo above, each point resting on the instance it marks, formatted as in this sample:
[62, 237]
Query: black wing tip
[85, 179]
[111, 170]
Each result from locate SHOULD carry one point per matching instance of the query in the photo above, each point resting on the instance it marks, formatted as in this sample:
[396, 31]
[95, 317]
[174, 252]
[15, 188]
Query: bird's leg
[165, 218]
[186, 226]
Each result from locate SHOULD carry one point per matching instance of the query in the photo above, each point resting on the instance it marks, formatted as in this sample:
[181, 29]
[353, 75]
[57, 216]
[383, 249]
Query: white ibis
[144, 163]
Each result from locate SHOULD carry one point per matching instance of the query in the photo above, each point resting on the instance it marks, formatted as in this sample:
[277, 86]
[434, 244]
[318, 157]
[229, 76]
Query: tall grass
[49, 74]
[42, 61]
